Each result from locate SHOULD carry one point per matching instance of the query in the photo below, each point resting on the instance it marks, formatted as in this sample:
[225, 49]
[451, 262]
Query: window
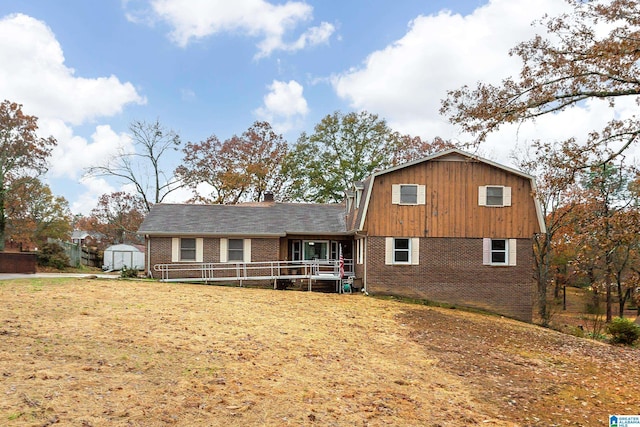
[408, 194]
[402, 250]
[334, 250]
[235, 250]
[494, 195]
[187, 249]
[499, 251]
[296, 250]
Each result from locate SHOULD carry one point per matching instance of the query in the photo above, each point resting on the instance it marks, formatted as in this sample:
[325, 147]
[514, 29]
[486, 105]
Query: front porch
[311, 272]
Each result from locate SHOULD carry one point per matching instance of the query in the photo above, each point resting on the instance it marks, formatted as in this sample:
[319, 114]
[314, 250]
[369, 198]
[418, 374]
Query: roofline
[247, 235]
[195, 234]
[531, 178]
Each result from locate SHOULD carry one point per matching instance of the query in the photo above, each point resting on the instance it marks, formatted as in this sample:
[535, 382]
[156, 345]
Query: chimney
[268, 196]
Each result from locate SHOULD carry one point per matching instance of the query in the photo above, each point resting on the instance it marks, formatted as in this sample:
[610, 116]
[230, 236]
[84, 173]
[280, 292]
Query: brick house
[451, 227]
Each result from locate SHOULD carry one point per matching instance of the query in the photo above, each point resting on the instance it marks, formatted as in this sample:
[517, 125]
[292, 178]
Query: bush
[623, 331]
[52, 255]
[128, 273]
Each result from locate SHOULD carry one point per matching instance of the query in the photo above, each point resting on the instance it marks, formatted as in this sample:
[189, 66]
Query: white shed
[118, 256]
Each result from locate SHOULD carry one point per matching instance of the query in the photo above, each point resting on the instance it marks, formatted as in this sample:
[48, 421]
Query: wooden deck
[313, 271]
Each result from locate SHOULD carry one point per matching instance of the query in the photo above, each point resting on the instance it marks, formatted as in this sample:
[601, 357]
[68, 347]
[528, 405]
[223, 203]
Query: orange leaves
[241, 168]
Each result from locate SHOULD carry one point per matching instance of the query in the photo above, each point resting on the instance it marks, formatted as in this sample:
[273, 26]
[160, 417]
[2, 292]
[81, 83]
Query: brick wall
[265, 250]
[261, 250]
[451, 271]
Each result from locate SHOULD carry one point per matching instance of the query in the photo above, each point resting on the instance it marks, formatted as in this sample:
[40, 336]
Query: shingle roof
[245, 219]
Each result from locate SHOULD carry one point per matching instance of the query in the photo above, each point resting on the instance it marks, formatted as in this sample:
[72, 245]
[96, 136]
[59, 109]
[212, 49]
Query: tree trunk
[3, 219]
[609, 300]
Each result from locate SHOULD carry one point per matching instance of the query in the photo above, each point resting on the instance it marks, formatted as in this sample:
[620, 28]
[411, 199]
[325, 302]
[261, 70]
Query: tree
[345, 148]
[591, 53]
[22, 153]
[145, 167]
[117, 216]
[553, 165]
[35, 214]
[607, 196]
[242, 168]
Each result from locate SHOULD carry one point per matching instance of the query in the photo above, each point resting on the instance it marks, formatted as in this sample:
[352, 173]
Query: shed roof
[246, 219]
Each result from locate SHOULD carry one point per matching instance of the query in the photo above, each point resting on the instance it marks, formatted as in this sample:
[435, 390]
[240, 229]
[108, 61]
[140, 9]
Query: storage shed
[118, 256]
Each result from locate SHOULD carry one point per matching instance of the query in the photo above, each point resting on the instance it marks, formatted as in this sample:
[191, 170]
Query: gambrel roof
[451, 154]
[268, 219]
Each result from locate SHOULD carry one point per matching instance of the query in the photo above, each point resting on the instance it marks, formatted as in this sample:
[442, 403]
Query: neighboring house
[451, 227]
[86, 238]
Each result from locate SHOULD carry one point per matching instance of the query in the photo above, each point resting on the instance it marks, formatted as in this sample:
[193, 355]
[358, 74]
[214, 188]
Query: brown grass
[118, 353]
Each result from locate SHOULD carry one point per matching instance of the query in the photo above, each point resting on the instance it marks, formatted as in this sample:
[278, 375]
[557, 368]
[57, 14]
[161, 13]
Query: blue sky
[203, 67]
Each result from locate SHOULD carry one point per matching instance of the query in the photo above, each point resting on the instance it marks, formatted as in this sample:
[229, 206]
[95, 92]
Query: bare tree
[144, 167]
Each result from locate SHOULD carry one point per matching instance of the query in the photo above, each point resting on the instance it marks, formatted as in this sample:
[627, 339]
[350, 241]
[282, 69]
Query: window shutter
[224, 253]
[506, 196]
[199, 249]
[513, 245]
[415, 250]
[422, 194]
[246, 249]
[395, 194]
[175, 249]
[388, 250]
[482, 196]
[486, 251]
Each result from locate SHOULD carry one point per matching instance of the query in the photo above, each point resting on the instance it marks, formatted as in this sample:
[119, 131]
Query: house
[451, 227]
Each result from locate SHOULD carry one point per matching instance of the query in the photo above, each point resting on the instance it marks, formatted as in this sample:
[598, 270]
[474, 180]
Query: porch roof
[247, 219]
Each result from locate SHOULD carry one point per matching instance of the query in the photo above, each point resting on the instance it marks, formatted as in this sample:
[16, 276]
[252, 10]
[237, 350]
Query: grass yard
[84, 352]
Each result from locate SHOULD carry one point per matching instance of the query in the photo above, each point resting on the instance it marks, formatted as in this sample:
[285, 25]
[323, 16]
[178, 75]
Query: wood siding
[451, 208]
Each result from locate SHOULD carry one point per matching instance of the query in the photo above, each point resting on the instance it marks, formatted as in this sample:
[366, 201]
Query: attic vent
[268, 196]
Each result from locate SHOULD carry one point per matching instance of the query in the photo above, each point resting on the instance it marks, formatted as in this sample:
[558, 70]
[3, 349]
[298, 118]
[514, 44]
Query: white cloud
[95, 187]
[73, 153]
[283, 105]
[406, 81]
[33, 73]
[198, 19]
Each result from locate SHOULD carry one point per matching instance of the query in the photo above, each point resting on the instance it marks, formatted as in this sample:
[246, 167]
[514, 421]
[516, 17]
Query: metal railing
[242, 271]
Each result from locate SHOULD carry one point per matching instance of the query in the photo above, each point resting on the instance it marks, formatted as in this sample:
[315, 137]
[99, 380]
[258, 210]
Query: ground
[84, 352]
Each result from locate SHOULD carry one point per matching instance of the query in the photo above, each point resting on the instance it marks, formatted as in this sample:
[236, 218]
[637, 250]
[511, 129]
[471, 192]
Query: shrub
[128, 273]
[623, 331]
[52, 255]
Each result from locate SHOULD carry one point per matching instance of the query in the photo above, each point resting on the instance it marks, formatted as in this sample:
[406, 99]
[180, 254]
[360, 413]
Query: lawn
[85, 352]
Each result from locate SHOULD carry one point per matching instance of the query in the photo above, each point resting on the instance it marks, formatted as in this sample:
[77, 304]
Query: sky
[87, 69]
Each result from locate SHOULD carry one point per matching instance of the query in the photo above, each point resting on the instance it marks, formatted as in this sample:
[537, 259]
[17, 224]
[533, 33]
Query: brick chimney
[268, 197]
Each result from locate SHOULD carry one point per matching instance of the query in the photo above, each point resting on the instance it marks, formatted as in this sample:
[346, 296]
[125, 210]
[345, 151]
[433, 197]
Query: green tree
[592, 53]
[22, 153]
[345, 148]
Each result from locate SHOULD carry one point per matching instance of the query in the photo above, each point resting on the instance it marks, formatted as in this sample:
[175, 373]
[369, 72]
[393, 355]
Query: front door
[316, 249]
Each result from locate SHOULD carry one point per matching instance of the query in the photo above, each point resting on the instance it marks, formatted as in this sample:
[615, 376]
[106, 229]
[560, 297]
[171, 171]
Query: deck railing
[242, 271]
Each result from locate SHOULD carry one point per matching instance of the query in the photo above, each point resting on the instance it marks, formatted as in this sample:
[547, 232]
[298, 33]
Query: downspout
[148, 256]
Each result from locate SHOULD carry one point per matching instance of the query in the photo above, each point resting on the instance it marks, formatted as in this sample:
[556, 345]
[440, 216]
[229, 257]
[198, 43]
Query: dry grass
[118, 353]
